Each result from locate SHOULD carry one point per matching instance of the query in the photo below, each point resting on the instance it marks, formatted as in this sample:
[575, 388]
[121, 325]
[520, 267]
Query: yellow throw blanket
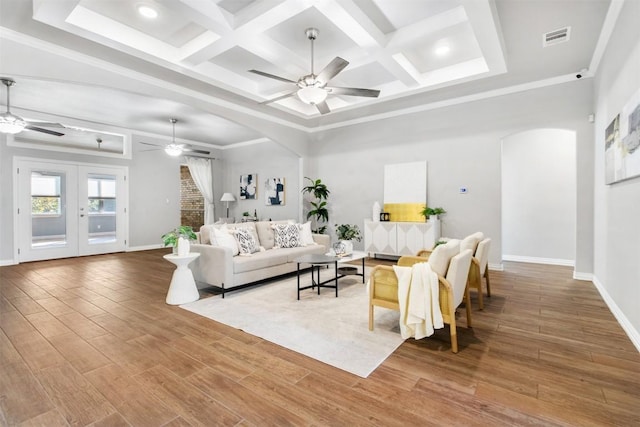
[418, 295]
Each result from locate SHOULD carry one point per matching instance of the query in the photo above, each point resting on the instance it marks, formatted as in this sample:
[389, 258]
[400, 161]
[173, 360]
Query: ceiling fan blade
[271, 76]
[191, 150]
[331, 70]
[323, 107]
[45, 124]
[37, 129]
[352, 91]
[148, 143]
[278, 98]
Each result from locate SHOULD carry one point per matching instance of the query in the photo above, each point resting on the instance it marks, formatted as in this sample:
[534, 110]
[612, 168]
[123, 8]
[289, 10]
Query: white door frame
[123, 224]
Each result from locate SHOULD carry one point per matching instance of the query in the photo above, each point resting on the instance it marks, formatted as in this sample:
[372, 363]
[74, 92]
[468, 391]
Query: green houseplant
[348, 232]
[428, 212]
[319, 212]
[172, 237]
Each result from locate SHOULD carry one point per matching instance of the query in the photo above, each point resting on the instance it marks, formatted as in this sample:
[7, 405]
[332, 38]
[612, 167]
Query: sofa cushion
[222, 237]
[258, 261]
[286, 235]
[293, 253]
[266, 233]
[306, 237]
[246, 243]
[249, 226]
[442, 254]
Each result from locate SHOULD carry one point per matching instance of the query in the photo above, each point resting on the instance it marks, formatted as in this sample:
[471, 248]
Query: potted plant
[319, 211]
[346, 233]
[428, 212]
[172, 238]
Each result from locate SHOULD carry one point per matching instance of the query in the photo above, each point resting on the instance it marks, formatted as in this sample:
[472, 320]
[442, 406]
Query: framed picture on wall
[274, 192]
[248, 186]
[622, 143]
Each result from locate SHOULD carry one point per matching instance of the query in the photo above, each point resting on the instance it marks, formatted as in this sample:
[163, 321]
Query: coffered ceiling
[415, 52]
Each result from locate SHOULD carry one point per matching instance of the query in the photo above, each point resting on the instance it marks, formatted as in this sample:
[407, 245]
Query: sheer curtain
[201, 173]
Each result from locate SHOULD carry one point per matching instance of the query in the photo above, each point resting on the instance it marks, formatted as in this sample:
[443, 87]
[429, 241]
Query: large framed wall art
[248, 186]
[274, 192]
[622, 143]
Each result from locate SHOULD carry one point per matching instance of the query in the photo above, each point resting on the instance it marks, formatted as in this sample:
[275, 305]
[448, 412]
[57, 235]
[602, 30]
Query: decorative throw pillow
[246, 243]
[223, 238]
[442, 254]
[287, 235]
[306, 237]
[471, 242]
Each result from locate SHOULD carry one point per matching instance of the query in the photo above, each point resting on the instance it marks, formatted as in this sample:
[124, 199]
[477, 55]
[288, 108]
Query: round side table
[182, 288]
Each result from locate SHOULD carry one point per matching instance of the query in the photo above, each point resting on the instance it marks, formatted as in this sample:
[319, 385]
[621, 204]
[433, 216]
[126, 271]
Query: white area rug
[332, 330]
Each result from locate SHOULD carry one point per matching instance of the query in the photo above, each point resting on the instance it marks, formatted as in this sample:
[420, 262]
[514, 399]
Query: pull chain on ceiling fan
[10, 123]
[312, 88]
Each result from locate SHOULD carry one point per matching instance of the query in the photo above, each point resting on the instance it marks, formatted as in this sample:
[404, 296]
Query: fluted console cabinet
[399, 238]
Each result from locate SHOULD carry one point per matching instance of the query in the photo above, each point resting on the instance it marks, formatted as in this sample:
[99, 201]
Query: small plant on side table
[348, 232]
[172, 237]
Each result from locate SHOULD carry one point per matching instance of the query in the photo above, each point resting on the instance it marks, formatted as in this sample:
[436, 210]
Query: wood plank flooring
[90, 341]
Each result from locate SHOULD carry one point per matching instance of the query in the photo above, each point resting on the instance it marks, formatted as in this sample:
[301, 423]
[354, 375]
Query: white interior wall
[267, 160]
[462, 147]
[539, 196]
[617, 206]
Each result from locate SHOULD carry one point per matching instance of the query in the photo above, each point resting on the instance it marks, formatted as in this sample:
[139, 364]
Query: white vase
[376, 212]
[348, 246]
[184, 246]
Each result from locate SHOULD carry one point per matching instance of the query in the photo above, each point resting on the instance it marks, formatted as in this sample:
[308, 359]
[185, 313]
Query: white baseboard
[583, 276]
[495, 267]
[632, 333]
[536, 260]
[5, 262]
[144, 248]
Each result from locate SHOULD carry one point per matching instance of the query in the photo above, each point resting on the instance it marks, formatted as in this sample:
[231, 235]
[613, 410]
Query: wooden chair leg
[467, 304]
[486, 276]
[371, 317]
[479, 288]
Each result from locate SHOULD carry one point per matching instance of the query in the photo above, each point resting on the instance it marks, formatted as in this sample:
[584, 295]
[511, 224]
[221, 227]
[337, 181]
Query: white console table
[399, 238]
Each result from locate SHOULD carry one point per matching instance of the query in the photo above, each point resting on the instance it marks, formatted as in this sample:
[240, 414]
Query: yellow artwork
[405, 212]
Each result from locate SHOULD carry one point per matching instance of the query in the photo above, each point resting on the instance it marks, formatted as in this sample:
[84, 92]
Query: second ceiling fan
[313, 88]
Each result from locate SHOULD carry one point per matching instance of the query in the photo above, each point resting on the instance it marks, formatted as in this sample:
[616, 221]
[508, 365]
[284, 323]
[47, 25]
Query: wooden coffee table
[317, 260]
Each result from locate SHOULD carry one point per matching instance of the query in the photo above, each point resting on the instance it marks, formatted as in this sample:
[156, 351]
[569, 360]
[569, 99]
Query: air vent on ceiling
[560, 35]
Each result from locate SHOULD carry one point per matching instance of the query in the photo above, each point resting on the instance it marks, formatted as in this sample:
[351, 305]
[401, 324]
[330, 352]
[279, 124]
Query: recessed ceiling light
[147, 11]
[442, 50]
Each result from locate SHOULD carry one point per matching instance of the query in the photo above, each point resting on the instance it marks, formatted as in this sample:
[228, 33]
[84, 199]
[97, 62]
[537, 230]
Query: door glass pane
[48, 214]
[101, 208]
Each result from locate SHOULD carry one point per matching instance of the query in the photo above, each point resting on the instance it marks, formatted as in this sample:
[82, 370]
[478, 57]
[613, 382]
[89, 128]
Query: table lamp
[227, 197]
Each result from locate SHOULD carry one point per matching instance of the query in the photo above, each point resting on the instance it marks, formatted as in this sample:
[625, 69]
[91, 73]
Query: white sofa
[217, 266]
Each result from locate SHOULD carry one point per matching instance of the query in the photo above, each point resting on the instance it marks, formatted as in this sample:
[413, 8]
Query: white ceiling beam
[262, 15]
[205, 14]
[484, 20]
[351, 20]
[421, 29]
[273, 52]
[401, 68]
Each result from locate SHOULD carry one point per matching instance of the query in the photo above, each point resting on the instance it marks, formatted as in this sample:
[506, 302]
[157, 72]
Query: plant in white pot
[180, 239]
[432, 213]
[346, 233]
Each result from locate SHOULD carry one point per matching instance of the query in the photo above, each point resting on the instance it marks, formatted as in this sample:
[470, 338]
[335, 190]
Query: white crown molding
[605, 34]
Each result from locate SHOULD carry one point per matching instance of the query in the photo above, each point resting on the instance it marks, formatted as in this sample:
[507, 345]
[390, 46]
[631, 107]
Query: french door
[67, 210]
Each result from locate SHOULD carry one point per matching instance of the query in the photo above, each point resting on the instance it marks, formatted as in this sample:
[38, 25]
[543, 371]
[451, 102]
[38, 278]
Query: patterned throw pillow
[246, 243]
[287, 235]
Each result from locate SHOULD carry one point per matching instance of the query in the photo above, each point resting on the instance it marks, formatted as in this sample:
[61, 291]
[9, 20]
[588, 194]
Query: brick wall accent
[191, 201]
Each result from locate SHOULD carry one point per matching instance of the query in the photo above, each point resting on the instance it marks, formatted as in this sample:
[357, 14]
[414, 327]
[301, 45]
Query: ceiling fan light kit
[312, 88]
[10, 123]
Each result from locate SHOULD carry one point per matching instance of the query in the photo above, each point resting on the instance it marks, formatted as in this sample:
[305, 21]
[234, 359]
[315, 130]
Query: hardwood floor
[90, 341]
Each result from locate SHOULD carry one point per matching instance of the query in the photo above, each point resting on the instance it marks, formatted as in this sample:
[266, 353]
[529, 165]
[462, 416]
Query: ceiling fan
[10, 123]
[174, 149]
[312, 88]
